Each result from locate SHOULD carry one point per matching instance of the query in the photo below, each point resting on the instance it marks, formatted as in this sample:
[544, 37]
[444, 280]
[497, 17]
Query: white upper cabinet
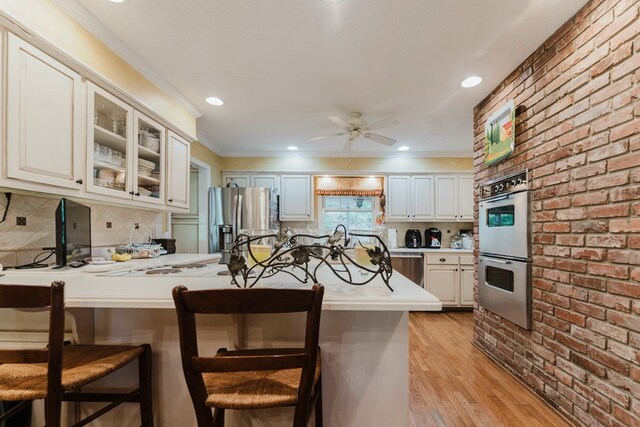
[149, 160]
[296, 201]
[44, 118]
[398, 198]
[465, 184]
[110, 158]
[410, 198]
[422, 198]
[446, 197]
[178, 155]
[267, 181]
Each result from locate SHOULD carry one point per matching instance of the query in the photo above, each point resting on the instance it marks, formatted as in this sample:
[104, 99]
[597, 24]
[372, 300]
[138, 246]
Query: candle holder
[302, 255]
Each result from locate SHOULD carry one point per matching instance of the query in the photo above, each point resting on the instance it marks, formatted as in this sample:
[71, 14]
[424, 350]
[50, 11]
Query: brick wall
[578, 131]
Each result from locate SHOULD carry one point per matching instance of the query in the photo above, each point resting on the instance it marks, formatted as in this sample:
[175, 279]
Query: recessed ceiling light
[292, 148]
[471, 81]
[214, 100]
[403, 148]
[119, 1]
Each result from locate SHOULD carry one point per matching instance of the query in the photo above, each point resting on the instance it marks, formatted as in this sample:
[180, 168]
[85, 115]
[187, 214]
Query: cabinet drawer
[466, 259]
[444, 259]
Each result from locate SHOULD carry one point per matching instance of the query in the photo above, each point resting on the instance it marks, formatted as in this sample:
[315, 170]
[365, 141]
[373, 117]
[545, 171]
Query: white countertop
[84, 288]
[428, 250]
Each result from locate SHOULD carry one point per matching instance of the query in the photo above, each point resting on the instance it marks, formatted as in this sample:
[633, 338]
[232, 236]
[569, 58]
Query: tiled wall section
[448, 228]
[19, 244]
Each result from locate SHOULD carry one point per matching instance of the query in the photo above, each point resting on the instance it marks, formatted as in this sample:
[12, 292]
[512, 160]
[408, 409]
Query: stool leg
[218, 417]
[53, 411]
[318, 408]
[145, 376]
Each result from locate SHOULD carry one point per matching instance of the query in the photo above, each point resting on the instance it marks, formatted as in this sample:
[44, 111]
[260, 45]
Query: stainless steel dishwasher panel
[410, 265]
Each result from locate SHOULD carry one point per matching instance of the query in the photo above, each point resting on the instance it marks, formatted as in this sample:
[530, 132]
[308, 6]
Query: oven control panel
[508, 184]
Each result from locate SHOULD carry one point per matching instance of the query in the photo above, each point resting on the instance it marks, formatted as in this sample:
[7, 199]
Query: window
[356, 213]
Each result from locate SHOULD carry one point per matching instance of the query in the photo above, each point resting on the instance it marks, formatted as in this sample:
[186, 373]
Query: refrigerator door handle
[237, 212]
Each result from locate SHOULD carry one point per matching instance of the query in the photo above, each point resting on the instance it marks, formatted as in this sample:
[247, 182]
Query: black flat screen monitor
[73, 232]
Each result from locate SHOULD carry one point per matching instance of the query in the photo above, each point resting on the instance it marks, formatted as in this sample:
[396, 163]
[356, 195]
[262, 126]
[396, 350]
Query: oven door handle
[498, 199]
[499, 261]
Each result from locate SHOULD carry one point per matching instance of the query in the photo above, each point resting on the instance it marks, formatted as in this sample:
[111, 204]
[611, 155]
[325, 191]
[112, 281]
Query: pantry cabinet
[449, 276]
[178, 155]
[296, 200]
[44, 118]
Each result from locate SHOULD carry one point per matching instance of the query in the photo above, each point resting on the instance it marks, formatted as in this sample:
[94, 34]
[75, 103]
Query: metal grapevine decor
[302, 261]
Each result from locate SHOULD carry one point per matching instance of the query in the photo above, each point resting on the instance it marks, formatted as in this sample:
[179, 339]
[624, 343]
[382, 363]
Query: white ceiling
[283, 66]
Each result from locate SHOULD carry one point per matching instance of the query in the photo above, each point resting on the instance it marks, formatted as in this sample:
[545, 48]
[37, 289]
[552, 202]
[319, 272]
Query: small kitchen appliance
[433, 238]
[73, 233]
[392, 238]
[413, 239]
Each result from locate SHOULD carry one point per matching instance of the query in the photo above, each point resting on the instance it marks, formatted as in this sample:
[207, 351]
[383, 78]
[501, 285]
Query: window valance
[349, 186]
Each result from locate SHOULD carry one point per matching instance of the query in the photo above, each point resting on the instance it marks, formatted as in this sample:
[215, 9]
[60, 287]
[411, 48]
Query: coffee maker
[433, 238]
[412, 239]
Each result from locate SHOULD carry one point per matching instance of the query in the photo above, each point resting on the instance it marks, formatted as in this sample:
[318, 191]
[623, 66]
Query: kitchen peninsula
[364, 337]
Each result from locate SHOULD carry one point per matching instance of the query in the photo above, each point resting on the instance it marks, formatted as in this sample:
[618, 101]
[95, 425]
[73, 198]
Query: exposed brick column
[578, 132]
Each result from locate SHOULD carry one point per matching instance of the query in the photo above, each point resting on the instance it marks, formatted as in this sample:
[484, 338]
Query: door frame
[204, 182]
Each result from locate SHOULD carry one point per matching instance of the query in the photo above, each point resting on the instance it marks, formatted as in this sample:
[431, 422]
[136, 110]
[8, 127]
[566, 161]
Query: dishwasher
[410, 265]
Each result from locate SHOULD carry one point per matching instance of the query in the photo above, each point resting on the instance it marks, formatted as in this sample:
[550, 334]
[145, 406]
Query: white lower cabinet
[450, 278]
[236, 181]
[44, 118]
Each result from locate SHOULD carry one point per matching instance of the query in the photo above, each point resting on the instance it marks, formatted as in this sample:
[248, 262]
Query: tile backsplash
[19, 244]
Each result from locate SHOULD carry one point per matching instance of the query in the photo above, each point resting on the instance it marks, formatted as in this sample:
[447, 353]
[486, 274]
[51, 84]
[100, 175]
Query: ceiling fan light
[403, 148]
[471, 81]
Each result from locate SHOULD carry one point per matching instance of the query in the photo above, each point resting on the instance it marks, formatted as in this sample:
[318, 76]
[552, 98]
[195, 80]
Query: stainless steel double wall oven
[504, 263]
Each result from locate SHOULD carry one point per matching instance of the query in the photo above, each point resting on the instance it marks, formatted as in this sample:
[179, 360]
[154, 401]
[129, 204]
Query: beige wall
[46, 20]
[392, 164]
[207, 156]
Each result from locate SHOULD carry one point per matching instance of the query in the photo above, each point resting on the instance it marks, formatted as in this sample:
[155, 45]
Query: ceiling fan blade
[347, 147]
[337, 120]
[318, 138]
[383, 123]
[381, 139]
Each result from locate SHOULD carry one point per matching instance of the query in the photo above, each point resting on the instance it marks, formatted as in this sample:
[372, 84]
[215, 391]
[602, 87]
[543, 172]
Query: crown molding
[98, 29]
[207, 143]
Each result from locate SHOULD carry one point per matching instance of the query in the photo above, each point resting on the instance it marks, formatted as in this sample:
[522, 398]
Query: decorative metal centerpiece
[302, 255]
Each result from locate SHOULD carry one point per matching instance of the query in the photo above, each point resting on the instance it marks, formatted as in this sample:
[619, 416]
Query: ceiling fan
[355, 126]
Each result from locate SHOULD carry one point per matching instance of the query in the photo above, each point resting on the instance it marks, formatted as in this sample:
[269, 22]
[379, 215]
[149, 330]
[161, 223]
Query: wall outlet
[21, 220]
[109, 225]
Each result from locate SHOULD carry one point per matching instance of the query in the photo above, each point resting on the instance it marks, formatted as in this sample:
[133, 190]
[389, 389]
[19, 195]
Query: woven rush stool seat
[57, 372]
[254, 389]
[256, 378]
[81, 365]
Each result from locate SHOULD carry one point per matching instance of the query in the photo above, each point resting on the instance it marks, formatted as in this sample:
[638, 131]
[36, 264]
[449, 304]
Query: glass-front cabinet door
[149, 162]
[109, 136]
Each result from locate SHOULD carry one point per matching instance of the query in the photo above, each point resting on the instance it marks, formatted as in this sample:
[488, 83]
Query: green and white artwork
[500, 135]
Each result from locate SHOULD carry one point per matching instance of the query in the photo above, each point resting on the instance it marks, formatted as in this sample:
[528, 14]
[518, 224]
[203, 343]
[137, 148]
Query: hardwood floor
[452, 383]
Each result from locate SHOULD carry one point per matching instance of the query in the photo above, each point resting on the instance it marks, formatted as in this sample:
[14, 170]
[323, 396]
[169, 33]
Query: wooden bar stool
[253, 378]
[55, 372]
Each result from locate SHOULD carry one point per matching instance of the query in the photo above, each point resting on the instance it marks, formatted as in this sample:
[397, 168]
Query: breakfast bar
[364, 337]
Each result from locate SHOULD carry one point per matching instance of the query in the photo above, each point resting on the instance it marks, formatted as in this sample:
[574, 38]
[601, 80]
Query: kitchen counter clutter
[429, 250]
[364, 335]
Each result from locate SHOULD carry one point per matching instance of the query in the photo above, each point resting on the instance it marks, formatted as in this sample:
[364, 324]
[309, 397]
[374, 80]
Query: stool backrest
[248, 301]
[21, 296]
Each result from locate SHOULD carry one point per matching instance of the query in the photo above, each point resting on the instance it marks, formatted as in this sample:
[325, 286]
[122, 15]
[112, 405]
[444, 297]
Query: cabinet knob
[79, 181]
[443, 259]
[170, 200]
[131, 192]
[137, 194]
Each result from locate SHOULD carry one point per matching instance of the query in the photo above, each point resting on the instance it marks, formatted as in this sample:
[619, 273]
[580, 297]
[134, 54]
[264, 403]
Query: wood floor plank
[454, 384]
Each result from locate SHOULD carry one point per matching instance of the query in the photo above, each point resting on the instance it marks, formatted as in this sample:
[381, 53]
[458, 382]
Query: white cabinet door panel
[296, 198]
[422, 198]
[465, 184]
[441, 282]
[267, 181]
[447, 197]
[236, 180]
[44, 118]
[398, 199]
[466, 285]
[178, 155]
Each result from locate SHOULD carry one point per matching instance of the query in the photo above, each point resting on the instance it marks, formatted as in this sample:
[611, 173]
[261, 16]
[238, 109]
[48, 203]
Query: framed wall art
[500, 135]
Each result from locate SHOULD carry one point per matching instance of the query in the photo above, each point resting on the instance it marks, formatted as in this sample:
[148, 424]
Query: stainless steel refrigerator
[238, 208]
